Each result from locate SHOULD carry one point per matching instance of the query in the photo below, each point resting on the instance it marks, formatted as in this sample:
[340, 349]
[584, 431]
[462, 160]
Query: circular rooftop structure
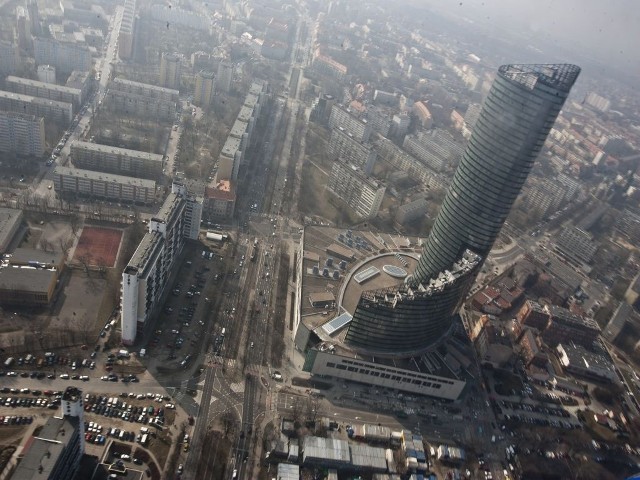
[394, 271]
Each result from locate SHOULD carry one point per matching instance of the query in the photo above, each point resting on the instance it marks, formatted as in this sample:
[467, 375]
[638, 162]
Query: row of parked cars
[15, 420]
[27, 402]
[115, 408]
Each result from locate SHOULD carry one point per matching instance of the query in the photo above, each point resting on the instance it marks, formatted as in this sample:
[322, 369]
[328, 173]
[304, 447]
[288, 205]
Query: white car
[64, 376]
[104, 378]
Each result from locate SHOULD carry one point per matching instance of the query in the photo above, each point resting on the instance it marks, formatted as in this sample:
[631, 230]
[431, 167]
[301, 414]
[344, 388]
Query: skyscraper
[513, 124]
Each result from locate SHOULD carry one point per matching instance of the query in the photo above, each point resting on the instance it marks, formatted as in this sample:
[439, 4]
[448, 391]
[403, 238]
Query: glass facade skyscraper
[514, 122]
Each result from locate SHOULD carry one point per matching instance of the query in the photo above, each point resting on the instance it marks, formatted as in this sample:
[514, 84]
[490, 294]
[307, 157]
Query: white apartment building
[121, 161]
[47, 73]
[147, 274]
[127, 29]
[360, 192]
[22, 134]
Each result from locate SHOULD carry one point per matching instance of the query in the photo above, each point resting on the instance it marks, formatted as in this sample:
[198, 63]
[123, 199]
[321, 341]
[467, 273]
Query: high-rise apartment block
[516, 117]
[23, 32]
[576, 246]
[121, 161]
[225, 77]
[545, 197]
[22, 134]
[360, 192]
[203, 94]
[344, 117]
[147, 274]
[342, 145]
[127, 30]
[170, 70]
[65, 56]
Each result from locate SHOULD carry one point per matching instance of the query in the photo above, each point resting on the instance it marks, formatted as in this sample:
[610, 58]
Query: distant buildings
[22, 134]
[34, 17]
[147, 274]
[203, 94]
[178, 17]
[597, 102]
[360, 192]
[170, 70]
[121, 161]
[65, 56]
[103, 186]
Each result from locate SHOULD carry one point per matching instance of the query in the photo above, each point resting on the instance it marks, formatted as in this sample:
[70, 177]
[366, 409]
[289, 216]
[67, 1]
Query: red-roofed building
[423, 114]
[219, 201]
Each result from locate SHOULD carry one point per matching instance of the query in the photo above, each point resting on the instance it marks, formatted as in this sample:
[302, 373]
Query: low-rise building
[10, 222]
[219, 201]
[412, 211]
[531, 349]
[582, 362]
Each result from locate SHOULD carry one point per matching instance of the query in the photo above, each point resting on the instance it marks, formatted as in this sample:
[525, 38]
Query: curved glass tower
[516, 118]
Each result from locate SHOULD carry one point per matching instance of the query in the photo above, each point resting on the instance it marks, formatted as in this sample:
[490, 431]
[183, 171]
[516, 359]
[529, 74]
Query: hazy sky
[610, 29]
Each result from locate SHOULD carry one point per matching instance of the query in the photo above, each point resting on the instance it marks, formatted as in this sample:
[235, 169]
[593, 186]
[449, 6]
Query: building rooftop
[105, 177]
[27, 256]
[147, 248]
[239, 129]
[245, 114]
[42, 452]
[27, 279]
[8, 219]
[231, 146]
[326, 449]
[96, 147]
[251, 100]
[569, 318]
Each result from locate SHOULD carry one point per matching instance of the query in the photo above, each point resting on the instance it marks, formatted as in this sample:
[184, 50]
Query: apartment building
[225, 77]
[203, 94]
[49, 91]
[65, 56]
[51, 110]
[360, 192]
[170, 70]
[412, 211]
[576, 246]
[343, 145]
[145, 90]
[326, 65]
[47, 73]
[344, 117]
[127, 30]
[72, 182]
[121, 161]
[146, 276]
[140, 105]
[79, 81]
[22, 134]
